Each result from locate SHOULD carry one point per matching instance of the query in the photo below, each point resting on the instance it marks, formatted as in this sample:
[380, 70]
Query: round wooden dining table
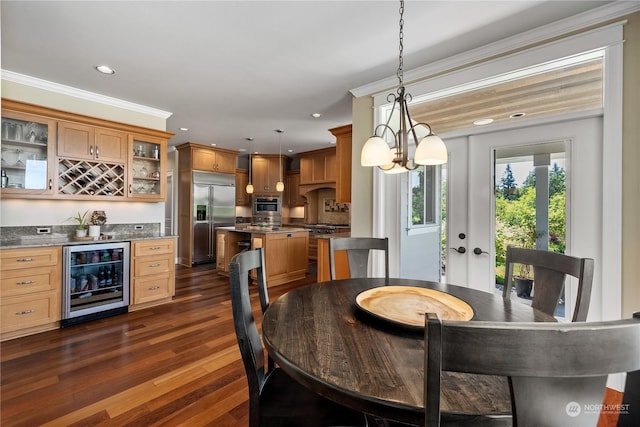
[320, 337]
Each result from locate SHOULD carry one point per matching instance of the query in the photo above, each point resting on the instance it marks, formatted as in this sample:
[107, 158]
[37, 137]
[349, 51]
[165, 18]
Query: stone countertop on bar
[262, 230]
[64, 240]
[329, 236]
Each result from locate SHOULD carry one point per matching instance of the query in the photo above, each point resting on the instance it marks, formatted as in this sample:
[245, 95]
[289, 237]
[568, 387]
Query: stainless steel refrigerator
[213, 207]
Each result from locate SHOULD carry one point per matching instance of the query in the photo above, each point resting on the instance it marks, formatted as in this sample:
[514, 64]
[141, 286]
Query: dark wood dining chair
[358, 250]
[550, 270]
[275, 399]
[557, 371]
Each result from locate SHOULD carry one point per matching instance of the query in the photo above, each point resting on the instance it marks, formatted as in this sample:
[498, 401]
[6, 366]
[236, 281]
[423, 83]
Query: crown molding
[82, 94]
[578, 22]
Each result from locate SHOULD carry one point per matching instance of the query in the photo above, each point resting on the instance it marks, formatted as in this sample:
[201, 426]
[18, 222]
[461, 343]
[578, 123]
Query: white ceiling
[228, 70]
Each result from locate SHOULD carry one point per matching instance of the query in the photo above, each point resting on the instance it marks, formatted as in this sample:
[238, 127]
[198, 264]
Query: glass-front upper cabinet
[28, 151]
[147, 167]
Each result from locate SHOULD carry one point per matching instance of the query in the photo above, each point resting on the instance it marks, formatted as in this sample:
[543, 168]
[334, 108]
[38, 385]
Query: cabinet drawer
[152, 288]
[14, 259]
[21, 282]
[153, 247]
[152, 265]
[31, 310]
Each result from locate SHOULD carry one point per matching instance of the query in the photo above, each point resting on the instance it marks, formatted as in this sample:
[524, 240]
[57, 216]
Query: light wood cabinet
[292, 190]
[28, 154]
[266, 171]
[77, 157]
[188, 155]
[80, 141]
[317, 167]
[152, 272]
[147, 168]
[286, 255]
[343, 163]
[242, 179]
[30, 292]
[207, 160]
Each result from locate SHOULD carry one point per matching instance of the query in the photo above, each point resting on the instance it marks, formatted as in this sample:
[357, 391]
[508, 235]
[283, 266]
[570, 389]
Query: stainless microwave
[267, 206]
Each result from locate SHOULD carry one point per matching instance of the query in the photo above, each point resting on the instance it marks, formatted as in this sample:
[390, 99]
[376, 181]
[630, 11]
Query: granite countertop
[262, 230]
[64, 240]
[329, 236]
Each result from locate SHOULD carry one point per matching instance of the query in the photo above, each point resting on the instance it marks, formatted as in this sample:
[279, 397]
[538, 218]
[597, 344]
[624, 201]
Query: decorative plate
[406, 305]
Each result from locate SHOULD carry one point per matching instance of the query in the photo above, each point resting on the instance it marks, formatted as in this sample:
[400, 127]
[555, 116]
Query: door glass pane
[24, 154]
[530, 204]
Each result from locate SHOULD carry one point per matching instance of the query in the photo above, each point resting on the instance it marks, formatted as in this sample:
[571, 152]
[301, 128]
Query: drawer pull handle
[154, 288]
[26, 282]
[154, 248]
[24, 259]
[154, 265]
[22, 313]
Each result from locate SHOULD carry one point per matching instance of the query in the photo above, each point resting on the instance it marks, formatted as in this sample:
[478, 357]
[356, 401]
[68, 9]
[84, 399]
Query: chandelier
[376, 152]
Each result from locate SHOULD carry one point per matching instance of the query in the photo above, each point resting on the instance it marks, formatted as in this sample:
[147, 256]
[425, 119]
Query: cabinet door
[225, 162]
[147, 168]
[292, 188]
[330, 170]
[76, 140]
[297, 251]
[277, 245]
[242, 179]
[110, 145]
[28, 154]
[203, 160]
[306, 170]
[260, 174]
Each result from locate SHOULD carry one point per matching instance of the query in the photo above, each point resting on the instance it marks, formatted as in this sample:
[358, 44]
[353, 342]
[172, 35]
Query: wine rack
[81, 177]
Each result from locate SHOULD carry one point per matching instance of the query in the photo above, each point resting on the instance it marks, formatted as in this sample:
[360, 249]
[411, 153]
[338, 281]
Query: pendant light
[280, 184]
[375, 152]
[249, 187]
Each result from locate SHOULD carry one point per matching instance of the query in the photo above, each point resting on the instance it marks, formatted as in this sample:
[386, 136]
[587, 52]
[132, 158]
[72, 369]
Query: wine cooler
[95, 281]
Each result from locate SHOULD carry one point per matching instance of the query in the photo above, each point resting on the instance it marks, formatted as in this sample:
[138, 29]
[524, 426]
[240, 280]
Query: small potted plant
[81, 221]
[523, 281]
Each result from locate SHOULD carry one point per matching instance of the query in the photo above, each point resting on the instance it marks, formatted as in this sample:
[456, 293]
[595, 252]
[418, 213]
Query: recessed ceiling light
[483, 122]
[332, 142]
[316, 115]
[184, 129]
[105, 69]
[517, 115]
[289, 150]
[249, 138]
[242, 150]
[214, 145]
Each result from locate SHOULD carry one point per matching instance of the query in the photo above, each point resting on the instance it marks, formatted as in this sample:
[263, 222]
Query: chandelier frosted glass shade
[249, 188]
[375, 152]
[431, 151]
[280, 186]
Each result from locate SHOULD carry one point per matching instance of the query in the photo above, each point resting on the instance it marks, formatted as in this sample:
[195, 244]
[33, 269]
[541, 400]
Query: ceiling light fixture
[316, 115]
[482, 122]
[280, 184]
[184, 129]
[376, 152]
[105, 69]
[517, 115]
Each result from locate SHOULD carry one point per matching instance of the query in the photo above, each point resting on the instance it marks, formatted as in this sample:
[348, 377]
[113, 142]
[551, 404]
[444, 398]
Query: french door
[470, 209]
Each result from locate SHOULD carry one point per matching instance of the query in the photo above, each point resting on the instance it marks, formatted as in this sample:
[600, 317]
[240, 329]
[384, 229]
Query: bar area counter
[285, 250]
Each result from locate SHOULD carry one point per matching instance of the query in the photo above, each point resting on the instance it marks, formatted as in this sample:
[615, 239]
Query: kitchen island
[285, 250]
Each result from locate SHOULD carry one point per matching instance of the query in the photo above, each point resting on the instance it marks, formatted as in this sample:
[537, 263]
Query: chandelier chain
[401, 47]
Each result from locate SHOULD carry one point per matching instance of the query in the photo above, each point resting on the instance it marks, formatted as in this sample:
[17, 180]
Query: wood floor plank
[170, 365]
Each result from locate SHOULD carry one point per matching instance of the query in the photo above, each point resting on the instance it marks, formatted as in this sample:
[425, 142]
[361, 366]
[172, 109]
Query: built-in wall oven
[267, 209]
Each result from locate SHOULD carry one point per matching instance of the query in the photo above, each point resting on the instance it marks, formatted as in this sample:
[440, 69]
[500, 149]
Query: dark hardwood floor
[171, 365]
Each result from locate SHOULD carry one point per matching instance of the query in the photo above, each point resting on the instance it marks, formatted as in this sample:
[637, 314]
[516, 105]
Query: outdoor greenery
[516, 216]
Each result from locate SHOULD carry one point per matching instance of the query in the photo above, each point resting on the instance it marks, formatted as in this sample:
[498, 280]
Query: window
[423, 190]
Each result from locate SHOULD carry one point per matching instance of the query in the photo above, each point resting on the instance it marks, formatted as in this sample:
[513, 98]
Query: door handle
[460, 249]
[479, 251]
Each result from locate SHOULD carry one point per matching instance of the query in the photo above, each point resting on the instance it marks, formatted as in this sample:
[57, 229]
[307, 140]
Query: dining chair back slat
[275, 399]
[550, 270]
[358, 250]
[557, 371]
